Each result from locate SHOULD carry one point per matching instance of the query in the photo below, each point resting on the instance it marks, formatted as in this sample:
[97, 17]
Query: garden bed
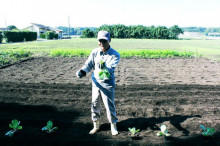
[179, 93]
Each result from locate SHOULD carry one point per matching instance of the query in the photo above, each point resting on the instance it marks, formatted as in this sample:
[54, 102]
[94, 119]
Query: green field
[206, 48]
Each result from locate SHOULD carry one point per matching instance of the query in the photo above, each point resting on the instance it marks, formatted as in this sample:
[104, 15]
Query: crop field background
[206, 48]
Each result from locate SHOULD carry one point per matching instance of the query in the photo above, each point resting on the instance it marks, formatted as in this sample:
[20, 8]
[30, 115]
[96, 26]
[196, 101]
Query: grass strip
[11, 56]
[125, 53]
[70, 52]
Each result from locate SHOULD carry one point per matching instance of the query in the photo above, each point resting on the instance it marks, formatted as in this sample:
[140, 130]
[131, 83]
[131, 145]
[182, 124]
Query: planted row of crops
[7, 57]
[15, 126]
[125, 53]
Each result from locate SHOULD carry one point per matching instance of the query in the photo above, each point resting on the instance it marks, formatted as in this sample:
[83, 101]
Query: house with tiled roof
[42, 29]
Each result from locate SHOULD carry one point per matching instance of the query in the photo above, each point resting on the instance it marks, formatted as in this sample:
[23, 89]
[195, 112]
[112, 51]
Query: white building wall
[36, 29]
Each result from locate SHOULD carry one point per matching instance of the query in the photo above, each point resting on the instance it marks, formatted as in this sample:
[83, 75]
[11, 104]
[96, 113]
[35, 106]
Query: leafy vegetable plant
[15, 125]
[49, 128]
[163, 132]
[207, 131]
[133, 131]
[104, 74]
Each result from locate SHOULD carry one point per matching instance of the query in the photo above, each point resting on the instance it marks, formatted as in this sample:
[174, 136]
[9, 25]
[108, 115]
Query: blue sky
[94, 13]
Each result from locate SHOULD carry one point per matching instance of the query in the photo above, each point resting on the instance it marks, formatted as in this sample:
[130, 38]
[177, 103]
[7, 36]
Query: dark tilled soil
[180, 93]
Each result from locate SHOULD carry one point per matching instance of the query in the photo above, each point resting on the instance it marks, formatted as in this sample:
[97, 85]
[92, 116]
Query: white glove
[80, 73]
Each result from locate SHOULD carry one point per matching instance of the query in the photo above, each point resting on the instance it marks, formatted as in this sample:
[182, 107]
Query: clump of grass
[125, 53]
[70, 52]
[7, 57]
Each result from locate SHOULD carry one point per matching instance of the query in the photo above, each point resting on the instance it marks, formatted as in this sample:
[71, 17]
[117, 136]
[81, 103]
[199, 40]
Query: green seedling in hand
[207, 131]
[49, 128]
[15, 125]
[133, 131]
[102, 64]
[104, 74]
[163, 132]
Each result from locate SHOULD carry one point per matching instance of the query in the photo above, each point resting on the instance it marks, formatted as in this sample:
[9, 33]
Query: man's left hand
[80, 73]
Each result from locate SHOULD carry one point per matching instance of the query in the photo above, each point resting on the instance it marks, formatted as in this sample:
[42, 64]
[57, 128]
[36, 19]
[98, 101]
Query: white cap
[103, 35]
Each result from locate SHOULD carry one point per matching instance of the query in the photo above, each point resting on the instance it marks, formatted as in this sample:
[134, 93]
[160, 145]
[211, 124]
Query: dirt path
[180, 93]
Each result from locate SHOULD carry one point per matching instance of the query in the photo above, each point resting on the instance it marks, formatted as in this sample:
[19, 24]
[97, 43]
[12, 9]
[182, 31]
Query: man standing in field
[103, 61]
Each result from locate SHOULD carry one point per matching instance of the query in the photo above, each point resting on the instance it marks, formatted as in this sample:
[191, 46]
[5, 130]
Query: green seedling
[102, 64]
[15, 125]
[104, 74]
[133, 131]
[163, 132]
[207, 131]
[49, 128]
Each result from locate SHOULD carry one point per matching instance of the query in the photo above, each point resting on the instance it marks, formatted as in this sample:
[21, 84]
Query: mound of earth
[179, 93]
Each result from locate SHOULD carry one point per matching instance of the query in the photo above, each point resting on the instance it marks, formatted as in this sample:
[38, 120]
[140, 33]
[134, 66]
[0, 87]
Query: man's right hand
[80, 73]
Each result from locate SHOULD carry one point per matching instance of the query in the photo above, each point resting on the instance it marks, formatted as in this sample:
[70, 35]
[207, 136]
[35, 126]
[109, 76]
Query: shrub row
[43, 36]
[51, 35]
[19, 36]
[1, 37]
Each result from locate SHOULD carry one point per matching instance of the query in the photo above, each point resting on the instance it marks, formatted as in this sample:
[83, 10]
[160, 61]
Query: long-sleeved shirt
[111, 58]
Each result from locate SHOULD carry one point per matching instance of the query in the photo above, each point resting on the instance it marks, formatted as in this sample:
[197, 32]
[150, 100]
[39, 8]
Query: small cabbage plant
[163, 132]
[15, 125]
[49, 128]
[207, 131]
[104, 73]
[133, 131]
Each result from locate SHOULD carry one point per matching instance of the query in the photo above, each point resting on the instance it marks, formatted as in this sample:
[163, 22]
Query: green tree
[108, 28]
[152, 32]
[162, 32]
[11, 27]
[50, 35]
[1, 37]
[87, 33]
[174, 31]
[118, 31]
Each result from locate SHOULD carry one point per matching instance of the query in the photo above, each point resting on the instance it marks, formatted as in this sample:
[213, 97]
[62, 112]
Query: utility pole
[69, 25]
[5, 22]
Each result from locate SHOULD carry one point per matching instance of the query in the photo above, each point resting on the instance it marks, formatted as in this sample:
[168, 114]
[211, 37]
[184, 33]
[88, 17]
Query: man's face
[104, 44]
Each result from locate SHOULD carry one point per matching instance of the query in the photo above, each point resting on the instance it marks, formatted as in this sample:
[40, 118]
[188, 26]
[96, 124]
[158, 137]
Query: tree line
[79, 30]
[138, 32]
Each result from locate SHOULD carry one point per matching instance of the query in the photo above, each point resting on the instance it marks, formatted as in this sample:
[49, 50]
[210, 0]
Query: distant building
[3, 29]
[192, 34]
[214, 34]
[41, 29]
